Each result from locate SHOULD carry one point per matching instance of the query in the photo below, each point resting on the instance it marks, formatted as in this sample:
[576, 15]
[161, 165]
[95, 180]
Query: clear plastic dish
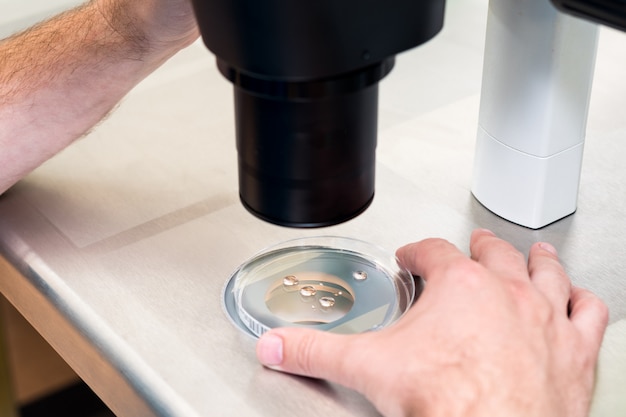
[328, 283]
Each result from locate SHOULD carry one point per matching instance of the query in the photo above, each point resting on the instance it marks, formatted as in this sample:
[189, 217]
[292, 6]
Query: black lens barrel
[307, 150]
[306, 96]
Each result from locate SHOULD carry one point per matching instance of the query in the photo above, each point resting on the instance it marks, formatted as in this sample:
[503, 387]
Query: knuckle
[601, 309]
[532, 304]
[303, 353]
[466, 272]
[543, 312]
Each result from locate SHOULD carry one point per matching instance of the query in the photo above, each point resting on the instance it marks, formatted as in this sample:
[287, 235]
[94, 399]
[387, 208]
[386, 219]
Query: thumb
[311, 353]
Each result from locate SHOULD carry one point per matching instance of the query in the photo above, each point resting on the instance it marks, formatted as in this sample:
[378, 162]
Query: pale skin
[490, 335]
[60, 78]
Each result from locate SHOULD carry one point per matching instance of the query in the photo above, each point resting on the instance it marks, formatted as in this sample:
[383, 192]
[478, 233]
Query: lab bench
[124, 241]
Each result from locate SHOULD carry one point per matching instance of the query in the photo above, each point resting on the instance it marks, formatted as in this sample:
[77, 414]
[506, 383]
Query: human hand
[490, 335]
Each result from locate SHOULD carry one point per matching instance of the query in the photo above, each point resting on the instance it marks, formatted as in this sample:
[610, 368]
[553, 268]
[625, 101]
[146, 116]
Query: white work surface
[126, 239]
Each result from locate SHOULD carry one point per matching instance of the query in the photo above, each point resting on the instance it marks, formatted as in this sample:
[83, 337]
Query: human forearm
[61, 77]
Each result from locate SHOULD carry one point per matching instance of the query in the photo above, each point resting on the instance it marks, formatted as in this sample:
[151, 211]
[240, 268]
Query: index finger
[424, 258]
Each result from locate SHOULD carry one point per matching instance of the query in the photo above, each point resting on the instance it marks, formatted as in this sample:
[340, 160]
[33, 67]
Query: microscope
[611, 13]
[537, 77]
[306, 75]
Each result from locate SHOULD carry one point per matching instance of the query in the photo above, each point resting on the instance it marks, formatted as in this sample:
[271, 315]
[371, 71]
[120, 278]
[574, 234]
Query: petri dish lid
[329, 283]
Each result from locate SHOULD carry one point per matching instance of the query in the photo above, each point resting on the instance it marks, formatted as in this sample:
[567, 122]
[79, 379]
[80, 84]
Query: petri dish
[329, 283]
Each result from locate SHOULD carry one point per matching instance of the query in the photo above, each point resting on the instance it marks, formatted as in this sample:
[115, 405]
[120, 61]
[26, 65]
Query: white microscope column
[537, 77]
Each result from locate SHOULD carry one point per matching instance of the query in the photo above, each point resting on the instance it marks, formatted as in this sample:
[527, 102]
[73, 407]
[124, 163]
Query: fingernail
[548, 247]
[270, 350]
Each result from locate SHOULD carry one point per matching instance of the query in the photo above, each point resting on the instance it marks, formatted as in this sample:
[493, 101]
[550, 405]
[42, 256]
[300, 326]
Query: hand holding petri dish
[334, 284]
